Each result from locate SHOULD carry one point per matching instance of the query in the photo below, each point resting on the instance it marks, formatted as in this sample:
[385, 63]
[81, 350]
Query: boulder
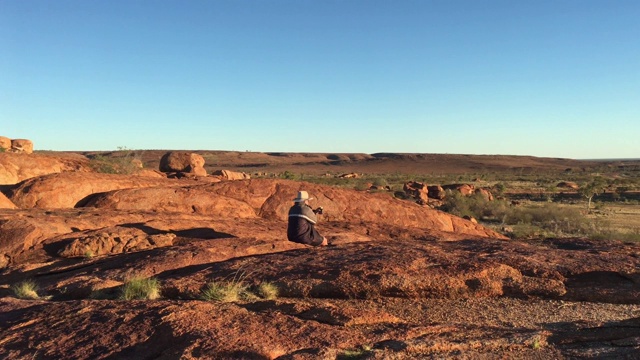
[436, 192]
[180, 161]
[5, 143]
[198, 171]
[349, 176]
[464, 189]
[22, 146]
[66, 190]
[16, 167]
[418, 191]
[484, 193]
[230, 175]
[568, 185]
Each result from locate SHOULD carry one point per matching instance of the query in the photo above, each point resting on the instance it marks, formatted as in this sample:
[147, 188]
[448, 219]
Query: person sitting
[302, 220]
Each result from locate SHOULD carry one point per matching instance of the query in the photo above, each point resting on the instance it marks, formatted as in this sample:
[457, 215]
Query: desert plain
[403, 278]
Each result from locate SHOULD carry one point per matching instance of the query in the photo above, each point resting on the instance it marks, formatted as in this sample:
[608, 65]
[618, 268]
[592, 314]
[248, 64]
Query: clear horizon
[547, 78]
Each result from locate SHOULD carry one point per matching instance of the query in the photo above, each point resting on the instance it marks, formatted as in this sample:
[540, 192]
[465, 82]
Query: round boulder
[22, 146]
[180, 161]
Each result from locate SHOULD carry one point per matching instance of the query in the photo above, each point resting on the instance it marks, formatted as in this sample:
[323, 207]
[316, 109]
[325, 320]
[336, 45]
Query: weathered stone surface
[193, 199]
[418, 191]
[180, 161]
[110, 241]
[271, 199]
[5, 143]
[5, 203]
[22, 146]
[198, 171]
[230, 175]
[436, 192]
[66, 190]
[464, 189]
[15, 167]
[399, 281]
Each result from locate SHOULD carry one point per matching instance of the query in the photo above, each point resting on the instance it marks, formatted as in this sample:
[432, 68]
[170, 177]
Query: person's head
[303, 197]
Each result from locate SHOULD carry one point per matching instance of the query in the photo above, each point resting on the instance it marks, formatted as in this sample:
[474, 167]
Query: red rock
[568, 185]
[66, 190]
[22, 146]
[464, 189]
[418, 191]
[271, 199]
[5, 203]
[180, 161]
[484, 193]
[436, 192]
[15, 167]
[230, 175]
[5, 143]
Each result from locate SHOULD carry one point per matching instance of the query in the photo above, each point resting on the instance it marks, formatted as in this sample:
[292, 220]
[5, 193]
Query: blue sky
[554, 78]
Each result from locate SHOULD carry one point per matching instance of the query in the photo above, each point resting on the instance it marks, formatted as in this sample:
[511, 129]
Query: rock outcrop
[16, 145]
[271, 199]
[22, 146]
[436, 192]
[115, 241]
[5, 143]
[464, 189]
[15, 167]
[230, 175]
[180, 161]
[417, 191]
[66, 190]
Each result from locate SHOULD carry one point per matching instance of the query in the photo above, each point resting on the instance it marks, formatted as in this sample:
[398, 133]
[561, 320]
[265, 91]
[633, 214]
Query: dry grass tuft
[268, 291]
[27, 290]
[138, 288]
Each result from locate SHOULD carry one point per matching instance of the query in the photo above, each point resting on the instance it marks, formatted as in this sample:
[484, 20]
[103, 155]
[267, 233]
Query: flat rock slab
[320, 328]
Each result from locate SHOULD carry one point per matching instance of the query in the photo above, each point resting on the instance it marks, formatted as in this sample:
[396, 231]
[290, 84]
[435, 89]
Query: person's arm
[309, 214]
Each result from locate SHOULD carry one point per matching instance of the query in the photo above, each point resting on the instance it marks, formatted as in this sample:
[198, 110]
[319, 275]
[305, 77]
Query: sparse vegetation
[362, 352]
[268, 291]
[138, 288]
[542, 219]
[26, 290]
[122, 161]
[591, 189]
[229, 291]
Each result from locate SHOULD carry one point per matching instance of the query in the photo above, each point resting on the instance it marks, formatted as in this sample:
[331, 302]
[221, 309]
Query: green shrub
[268, 290]
[138, 288]
[548, 219]
[27, 290]
[288, 175]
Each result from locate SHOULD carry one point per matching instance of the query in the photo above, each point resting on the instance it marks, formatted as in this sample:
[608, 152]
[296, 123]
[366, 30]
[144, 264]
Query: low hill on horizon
[380, 163]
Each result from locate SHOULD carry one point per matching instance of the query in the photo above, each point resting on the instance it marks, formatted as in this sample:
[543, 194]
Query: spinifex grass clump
[232, 290]
[224, 291]
[27, 290]
[139, 288]
[267, 290]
